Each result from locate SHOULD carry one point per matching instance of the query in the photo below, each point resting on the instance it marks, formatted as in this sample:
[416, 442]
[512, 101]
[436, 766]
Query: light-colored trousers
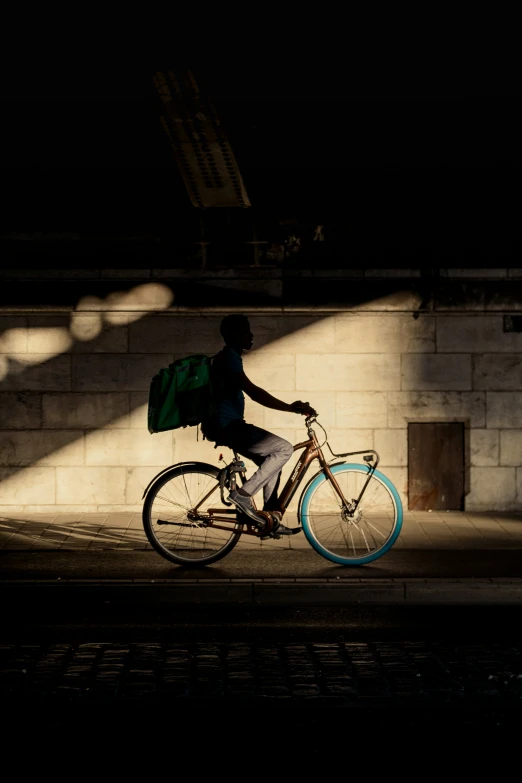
[266, 450]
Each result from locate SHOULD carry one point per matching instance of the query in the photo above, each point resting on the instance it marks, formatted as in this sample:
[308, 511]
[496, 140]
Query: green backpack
[180, 395]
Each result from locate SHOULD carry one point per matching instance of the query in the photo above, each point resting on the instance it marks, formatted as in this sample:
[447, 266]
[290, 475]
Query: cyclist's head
[235, 330]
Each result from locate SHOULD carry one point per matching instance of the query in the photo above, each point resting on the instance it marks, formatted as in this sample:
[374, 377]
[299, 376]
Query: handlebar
[312, 416]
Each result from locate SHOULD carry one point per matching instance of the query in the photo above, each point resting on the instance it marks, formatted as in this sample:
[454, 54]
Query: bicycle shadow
[17, 532]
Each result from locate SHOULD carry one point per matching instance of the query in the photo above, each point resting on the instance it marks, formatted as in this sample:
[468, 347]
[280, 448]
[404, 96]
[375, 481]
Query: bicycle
[350, 513]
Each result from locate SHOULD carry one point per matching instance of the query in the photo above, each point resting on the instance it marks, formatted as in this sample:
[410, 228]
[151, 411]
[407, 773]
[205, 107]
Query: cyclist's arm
[261, 396]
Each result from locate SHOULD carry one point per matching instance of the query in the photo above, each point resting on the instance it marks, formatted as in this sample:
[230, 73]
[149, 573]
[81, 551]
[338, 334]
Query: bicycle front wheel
[174, 530]
[344, 538]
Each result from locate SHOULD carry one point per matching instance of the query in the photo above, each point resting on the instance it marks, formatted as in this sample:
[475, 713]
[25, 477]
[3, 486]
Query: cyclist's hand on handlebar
[303, 408]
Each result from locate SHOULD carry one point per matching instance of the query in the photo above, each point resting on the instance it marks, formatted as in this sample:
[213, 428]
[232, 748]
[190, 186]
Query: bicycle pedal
[270, 535]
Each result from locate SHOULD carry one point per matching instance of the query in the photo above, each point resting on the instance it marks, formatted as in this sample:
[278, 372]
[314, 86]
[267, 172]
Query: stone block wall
[73, 395]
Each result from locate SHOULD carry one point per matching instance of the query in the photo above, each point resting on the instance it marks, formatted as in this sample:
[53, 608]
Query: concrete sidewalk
[440, 557]
[423, 530]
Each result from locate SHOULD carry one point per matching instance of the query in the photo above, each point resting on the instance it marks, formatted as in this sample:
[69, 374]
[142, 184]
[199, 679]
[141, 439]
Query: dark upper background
[406, 161]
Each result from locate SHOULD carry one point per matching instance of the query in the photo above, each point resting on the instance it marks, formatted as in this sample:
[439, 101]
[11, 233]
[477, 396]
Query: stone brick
[475, 334]
[116, 372]
[270, 370]
[484, 447]
[129, 306]
[109, 339]
[435, 371]
[128, 447]
[491, 489]
[13, 334]
[139, 406]
[63, 447]
[343, 440]
[136, 480]
[349, 372]
[255, 413]
[392, 447]
[323, 402]
[387, 333]
[49, 336]
[89, 411]
[86, 332]
[504, 410]
[90, 485]
[358, 411]
[436, 406]
[20, 411]
[19, 487]
[36, 373]
[376, 298]
[399, 478]
[176, 334]
[511, 447]
[290, 334]
[498, 372]
[185, 447]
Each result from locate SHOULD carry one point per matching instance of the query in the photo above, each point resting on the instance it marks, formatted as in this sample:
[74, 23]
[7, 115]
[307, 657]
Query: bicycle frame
[312, 451]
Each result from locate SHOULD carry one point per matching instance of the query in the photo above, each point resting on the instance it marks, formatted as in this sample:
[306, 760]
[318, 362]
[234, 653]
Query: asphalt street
[263, 563]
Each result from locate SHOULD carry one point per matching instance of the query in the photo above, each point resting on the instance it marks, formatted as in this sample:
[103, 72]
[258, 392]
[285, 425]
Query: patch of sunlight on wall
[118, 309]
[351, 344]
[345, 365]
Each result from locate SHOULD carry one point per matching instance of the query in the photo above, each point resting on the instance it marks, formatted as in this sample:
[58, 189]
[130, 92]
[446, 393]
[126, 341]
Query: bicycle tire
[333, 536]
[179, 539]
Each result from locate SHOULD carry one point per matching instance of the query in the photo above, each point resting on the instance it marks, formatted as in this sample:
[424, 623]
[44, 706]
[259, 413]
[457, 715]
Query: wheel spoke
[365, 541]
[353, 545]
[172, 502]
[366, 533]
[186, 540]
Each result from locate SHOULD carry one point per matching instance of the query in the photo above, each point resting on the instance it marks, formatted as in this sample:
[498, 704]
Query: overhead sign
[202, 151]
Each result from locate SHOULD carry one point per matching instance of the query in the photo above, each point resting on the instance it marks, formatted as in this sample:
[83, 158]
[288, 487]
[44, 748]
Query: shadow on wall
[74, 378]
[69, 375]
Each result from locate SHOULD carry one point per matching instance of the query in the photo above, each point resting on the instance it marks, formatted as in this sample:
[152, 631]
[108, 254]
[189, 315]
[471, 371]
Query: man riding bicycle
[227, 426]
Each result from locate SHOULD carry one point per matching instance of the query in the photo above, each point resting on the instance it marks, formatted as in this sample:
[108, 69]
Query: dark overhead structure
[201, 149]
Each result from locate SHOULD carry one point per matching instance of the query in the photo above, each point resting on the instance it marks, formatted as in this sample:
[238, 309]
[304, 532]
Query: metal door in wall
[436, 466]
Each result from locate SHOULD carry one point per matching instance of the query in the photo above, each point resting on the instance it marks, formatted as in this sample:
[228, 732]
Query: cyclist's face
[244, 337]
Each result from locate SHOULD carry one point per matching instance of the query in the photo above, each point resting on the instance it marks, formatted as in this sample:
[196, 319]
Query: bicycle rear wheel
[177, 534]
[344, 538]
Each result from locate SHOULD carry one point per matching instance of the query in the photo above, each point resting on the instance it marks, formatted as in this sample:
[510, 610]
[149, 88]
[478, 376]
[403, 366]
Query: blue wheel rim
[304, 513]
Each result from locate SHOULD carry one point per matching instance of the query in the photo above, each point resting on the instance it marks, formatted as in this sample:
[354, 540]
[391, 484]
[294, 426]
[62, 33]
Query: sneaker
[283, 530]
[245, 504]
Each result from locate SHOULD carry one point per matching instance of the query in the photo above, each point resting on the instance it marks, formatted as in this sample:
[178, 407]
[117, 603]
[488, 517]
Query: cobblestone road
[341, 673]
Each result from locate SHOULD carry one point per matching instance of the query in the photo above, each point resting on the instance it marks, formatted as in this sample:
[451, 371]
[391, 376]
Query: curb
[269, 592]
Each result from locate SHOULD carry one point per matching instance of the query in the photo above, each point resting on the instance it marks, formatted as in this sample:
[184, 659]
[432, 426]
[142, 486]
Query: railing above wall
[414, 291]
[285, 245]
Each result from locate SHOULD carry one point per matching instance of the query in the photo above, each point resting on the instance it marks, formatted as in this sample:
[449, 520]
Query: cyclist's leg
[270, 453]
[266, 450]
